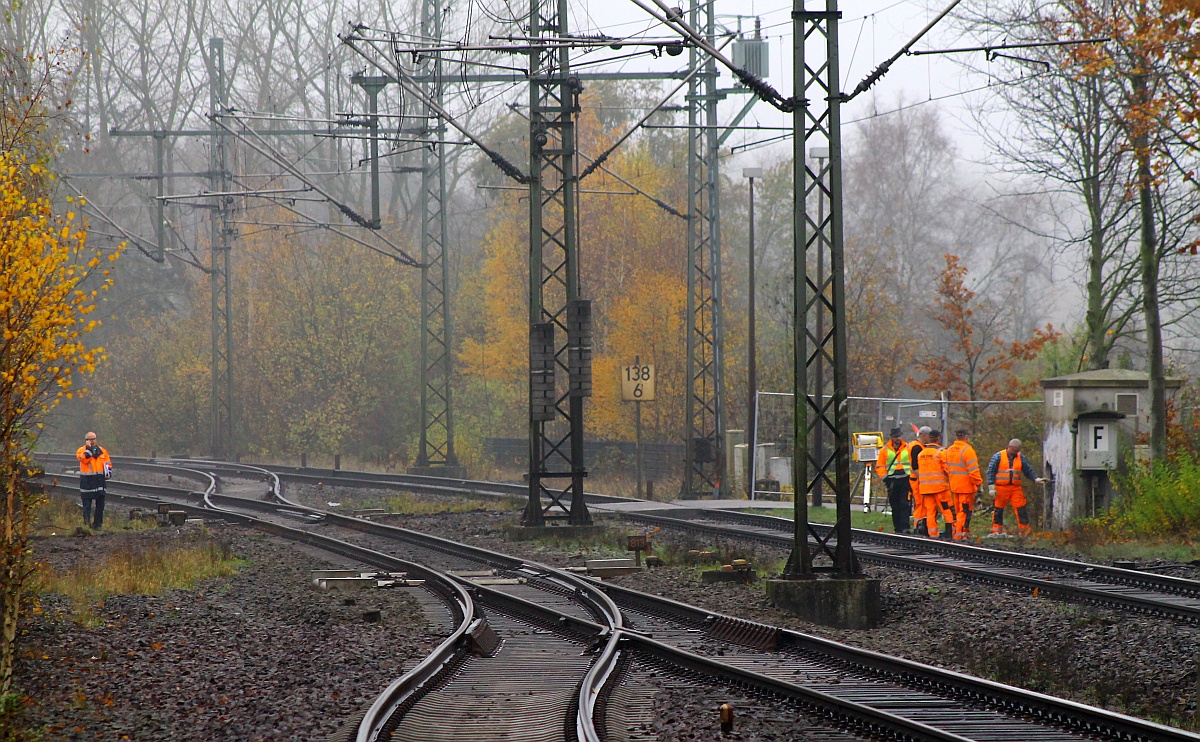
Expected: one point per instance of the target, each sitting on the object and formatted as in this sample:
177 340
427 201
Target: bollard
649 489
337 461
726 711
303 460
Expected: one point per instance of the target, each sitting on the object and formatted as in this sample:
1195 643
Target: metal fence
991 423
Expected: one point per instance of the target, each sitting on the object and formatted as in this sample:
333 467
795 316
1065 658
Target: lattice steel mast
437 422
560 323
819 294
704 467
224 426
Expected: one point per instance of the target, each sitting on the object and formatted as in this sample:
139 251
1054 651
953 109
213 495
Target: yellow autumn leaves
48 285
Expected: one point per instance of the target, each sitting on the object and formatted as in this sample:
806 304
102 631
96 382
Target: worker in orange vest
894 467
95 467
914 453
934 486
1004 474
963 467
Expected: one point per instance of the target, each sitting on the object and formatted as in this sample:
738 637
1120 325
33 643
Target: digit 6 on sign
637 390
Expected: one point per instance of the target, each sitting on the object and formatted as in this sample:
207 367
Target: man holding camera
94 467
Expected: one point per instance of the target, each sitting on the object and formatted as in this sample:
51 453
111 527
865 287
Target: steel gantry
703 472
819 294
437 423
559 321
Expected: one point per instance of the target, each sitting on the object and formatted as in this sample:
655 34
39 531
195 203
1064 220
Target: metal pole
819 390
161 226
704 423
751 342
223 443
637 407
945 415
556 450
799 564
373 115
815 293
754 452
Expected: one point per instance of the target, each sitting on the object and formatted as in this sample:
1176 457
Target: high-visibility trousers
1006 493
918 507
931 505
965 504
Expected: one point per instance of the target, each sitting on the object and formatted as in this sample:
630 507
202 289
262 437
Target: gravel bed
690 710
260 655
1133 664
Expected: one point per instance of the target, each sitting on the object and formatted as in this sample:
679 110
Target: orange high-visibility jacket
92 464
894 460
931 472
1009 474
963 467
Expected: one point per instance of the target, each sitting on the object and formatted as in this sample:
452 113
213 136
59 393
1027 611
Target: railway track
541 645
1061 579
869 694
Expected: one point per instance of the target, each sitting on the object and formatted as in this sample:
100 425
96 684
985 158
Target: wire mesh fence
990 424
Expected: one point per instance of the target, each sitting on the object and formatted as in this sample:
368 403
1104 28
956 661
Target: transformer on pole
560 322
819 294
705 425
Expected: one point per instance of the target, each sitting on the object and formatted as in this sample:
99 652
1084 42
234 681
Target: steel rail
1004 557
461 595
828 709
1079 718
982 556
978 572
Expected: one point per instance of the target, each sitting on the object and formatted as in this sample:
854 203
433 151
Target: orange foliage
632 267
980 364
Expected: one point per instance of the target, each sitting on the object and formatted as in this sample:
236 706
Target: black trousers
898 490
91 491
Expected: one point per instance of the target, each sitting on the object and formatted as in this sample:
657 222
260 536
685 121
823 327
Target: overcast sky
871 30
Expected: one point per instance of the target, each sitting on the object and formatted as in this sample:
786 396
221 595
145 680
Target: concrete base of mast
839 602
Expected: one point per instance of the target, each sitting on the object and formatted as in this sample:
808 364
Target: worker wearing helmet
962 464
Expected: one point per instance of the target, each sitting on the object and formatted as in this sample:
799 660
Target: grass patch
405 503
62 515
140 569
871 521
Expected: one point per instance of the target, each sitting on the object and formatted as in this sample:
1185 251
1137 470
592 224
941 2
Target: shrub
1157 502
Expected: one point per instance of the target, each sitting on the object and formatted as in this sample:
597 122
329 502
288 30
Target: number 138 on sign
637 383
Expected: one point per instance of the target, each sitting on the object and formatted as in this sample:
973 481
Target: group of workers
925 480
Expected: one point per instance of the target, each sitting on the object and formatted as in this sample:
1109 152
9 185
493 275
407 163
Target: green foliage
1161 501
12 719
